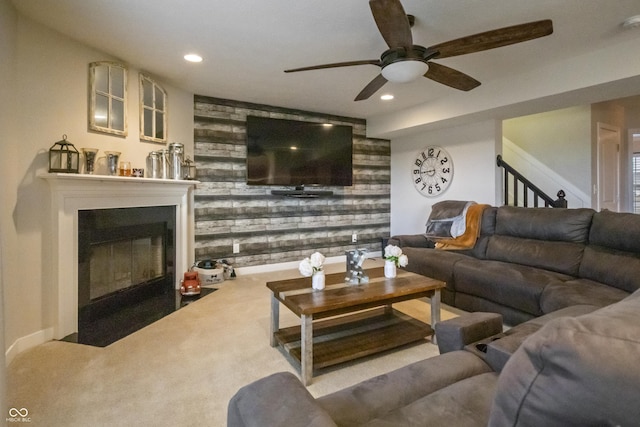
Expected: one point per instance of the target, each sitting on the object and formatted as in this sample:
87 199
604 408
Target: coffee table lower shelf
341 339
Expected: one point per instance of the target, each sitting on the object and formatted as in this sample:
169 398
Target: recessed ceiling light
386 97
192 57
631 22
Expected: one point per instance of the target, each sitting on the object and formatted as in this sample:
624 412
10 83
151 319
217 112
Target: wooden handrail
528 188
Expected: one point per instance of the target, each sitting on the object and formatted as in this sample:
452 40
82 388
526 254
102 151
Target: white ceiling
246 44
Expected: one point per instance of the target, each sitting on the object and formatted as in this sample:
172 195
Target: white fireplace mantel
71 193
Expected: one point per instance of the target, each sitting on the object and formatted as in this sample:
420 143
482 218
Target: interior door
608 167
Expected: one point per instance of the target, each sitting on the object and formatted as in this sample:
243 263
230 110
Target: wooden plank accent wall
272 229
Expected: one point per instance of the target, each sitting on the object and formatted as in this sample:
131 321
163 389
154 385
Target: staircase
518 190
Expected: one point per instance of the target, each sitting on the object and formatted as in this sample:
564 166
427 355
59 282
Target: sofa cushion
465 403
562 225
611 229
410 240
579 291
512 285
613 267
500 349
381 395
488 224
563 257
433 263
270 400
473 303
575 371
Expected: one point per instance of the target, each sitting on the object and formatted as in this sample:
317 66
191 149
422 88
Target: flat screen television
296 153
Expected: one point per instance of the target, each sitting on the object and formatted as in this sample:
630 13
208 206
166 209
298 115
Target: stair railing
519 182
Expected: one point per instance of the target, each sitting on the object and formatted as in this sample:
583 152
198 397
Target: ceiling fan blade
494 38
392 22
337 64
450 77
371 88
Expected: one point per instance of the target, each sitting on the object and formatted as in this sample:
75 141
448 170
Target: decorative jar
317 280
389 269
112 162
89 159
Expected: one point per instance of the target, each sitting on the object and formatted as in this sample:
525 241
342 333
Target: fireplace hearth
126 259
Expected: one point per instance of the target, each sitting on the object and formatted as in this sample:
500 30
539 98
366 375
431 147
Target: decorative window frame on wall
108 97
153 110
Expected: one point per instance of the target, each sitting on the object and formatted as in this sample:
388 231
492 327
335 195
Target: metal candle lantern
63 157
189 169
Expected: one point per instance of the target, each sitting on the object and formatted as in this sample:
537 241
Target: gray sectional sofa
576 366
531 261
567 280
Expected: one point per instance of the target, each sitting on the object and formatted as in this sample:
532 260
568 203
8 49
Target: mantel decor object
189 169
112 162
63 157
89 159
176 159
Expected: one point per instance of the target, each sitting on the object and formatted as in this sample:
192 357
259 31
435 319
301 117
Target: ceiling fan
404 61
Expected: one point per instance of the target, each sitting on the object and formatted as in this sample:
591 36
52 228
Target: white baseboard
42 336
267 268
27 342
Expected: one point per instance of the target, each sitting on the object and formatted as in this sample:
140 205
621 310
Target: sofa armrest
411 241
277 400
455 334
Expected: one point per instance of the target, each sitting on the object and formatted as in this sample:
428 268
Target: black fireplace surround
101 230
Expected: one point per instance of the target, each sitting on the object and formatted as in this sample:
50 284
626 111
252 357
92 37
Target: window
108 106
636 183
153 111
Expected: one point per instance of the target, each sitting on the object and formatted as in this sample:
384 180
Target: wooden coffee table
359 319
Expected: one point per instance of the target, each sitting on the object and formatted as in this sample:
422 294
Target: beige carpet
183 369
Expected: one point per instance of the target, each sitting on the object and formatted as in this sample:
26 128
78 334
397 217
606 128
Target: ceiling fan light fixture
193 57
631 22
404 71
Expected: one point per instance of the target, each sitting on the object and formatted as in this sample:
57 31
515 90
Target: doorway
608 167
635 170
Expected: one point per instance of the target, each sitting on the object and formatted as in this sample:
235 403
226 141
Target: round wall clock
432 171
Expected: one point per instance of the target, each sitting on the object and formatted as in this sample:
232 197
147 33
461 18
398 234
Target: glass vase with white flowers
393 258
312 266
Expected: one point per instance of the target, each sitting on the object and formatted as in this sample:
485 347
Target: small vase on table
389 269
317 281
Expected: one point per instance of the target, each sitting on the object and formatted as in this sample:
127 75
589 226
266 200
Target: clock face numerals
432 171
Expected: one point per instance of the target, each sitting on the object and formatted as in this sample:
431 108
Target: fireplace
125 255
72 194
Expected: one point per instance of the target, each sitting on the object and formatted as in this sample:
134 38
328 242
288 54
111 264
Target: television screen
289 152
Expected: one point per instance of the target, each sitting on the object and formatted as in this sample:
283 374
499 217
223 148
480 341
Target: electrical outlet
354 238
236 248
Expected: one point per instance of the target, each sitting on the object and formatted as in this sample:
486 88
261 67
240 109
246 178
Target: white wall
50 91
545 178
8 22
552 87
559 139
474 148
